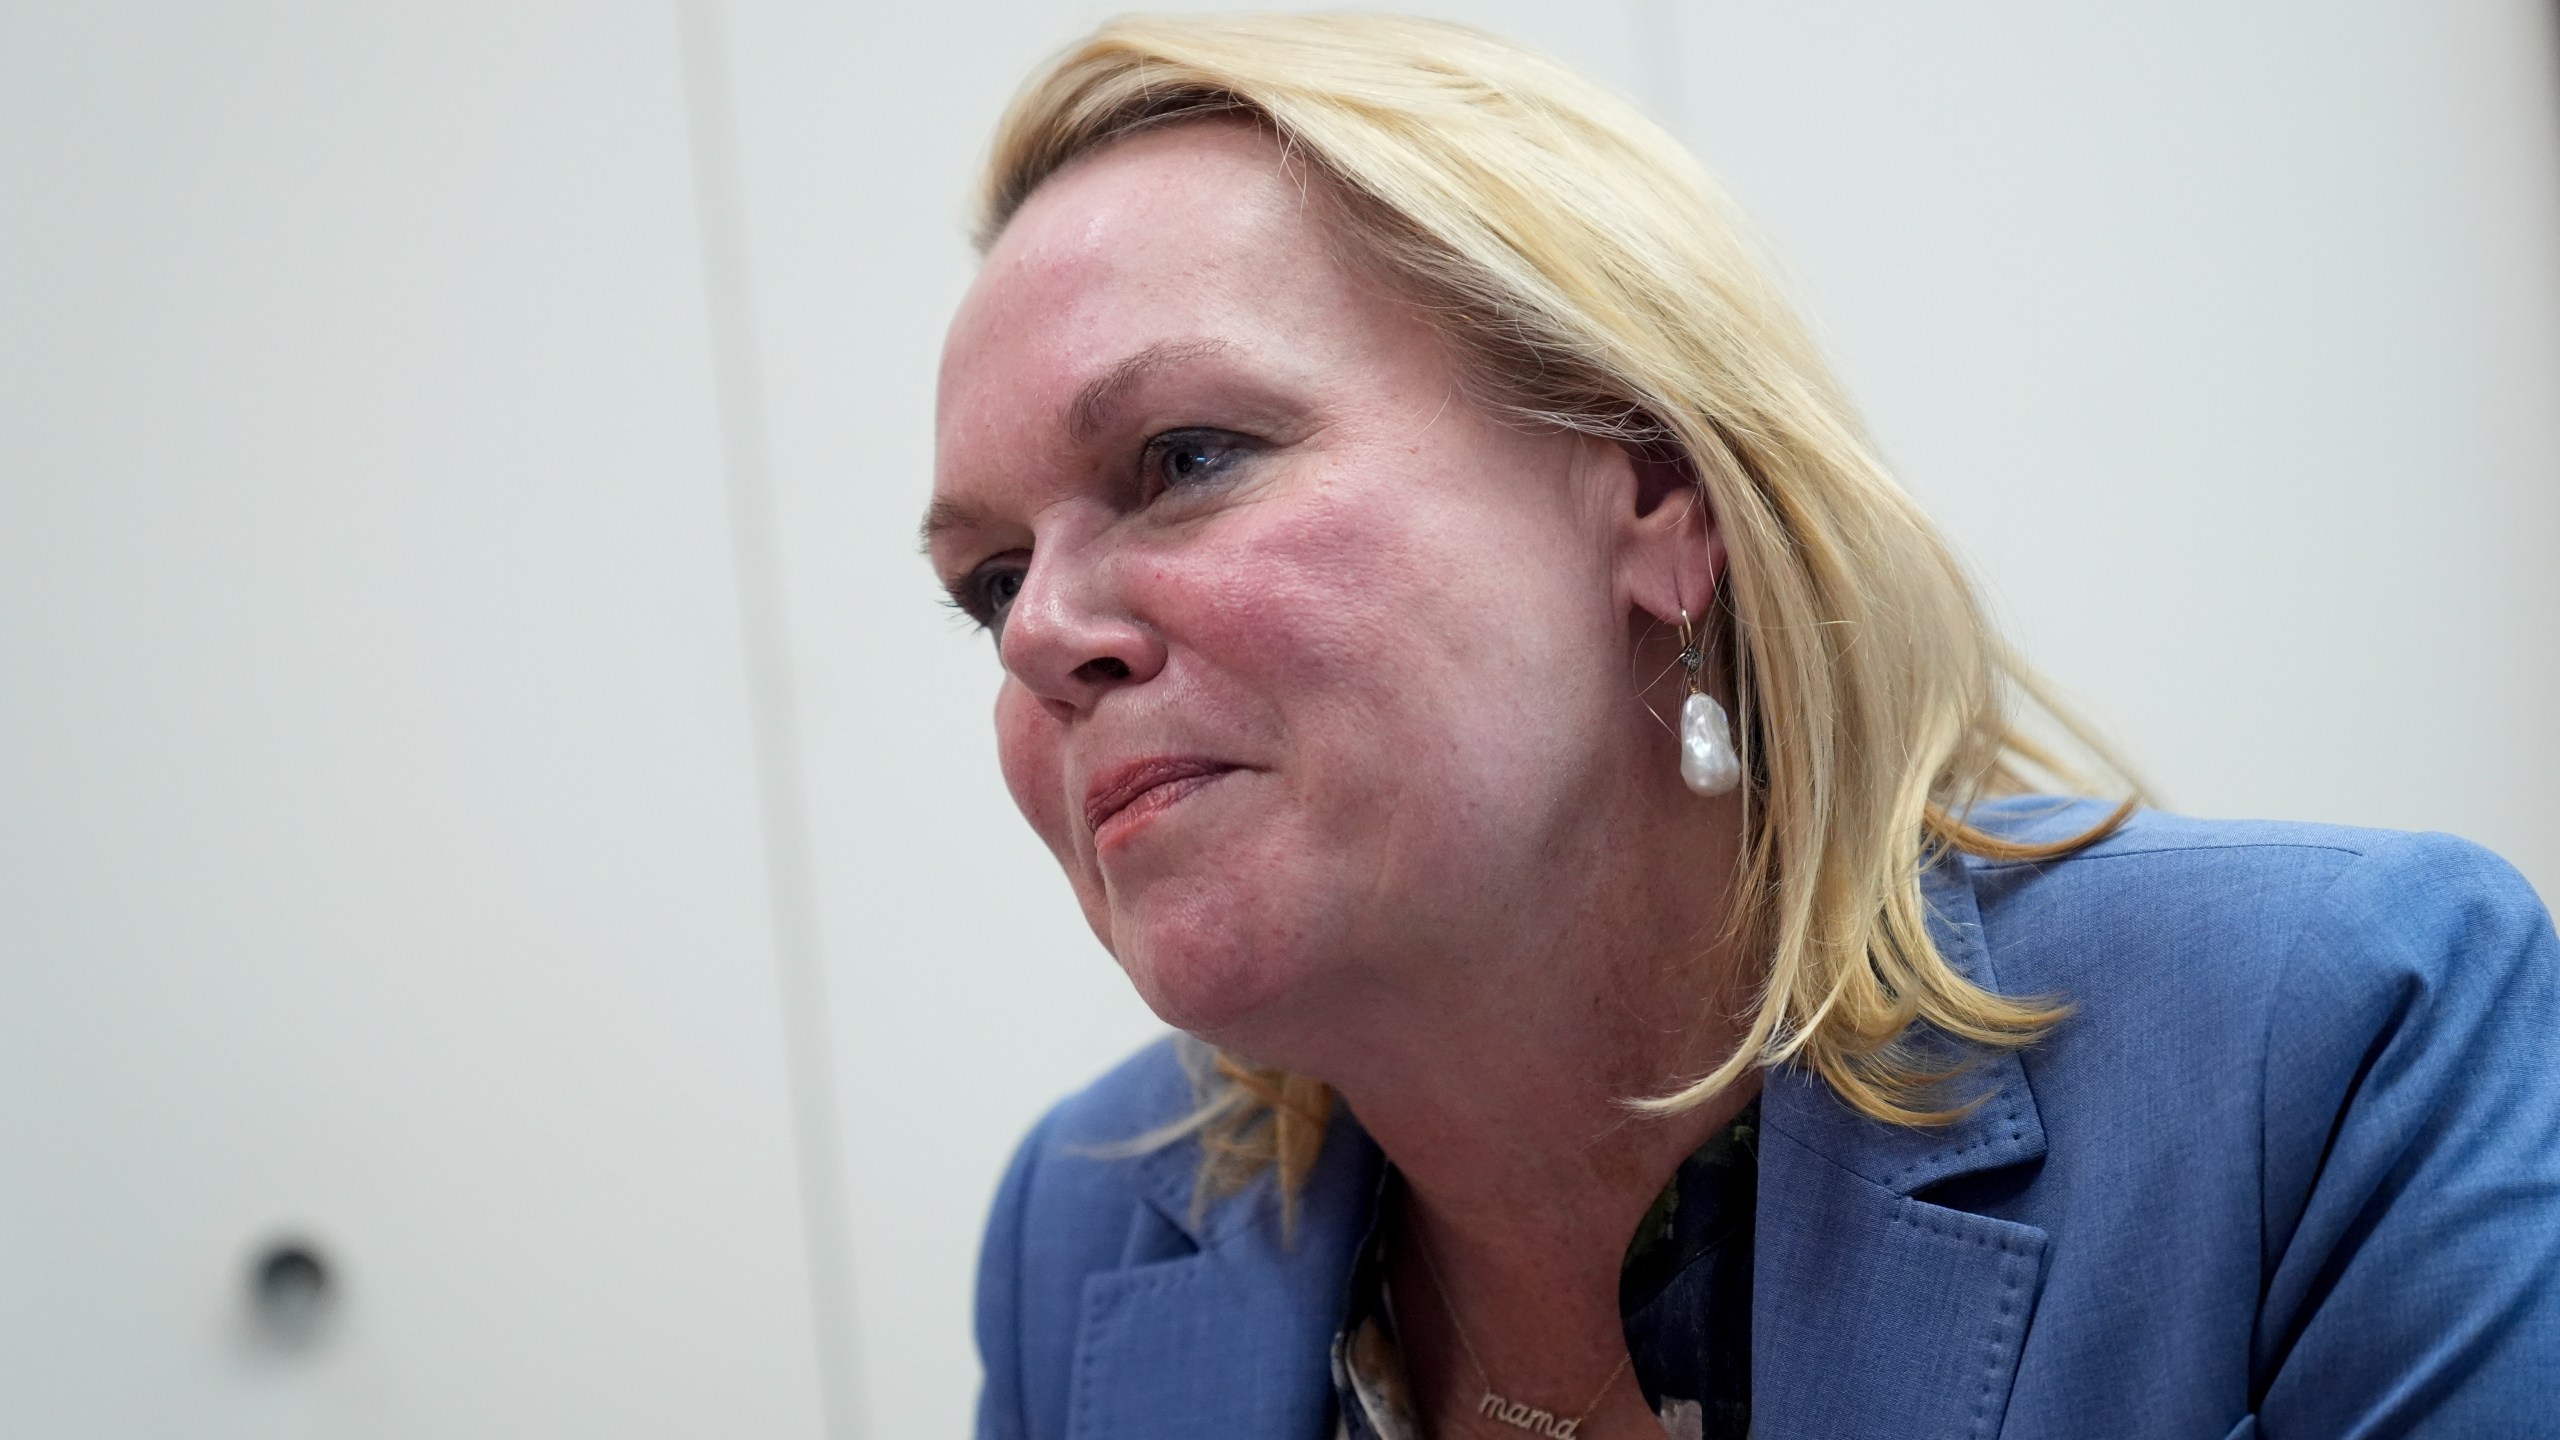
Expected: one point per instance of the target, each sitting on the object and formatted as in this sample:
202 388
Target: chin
1208 974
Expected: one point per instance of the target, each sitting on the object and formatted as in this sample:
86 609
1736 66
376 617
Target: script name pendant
1527 1417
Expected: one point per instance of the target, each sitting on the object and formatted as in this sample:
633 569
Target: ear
1670 552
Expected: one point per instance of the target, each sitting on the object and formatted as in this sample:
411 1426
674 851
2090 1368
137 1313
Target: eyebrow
1087 413
1092 405
943 516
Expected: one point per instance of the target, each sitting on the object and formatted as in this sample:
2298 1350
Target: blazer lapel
1874 1313
1234 1339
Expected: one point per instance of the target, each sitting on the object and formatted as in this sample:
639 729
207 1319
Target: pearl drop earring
1708 764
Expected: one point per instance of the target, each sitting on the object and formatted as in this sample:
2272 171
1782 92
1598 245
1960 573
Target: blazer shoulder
2411 1164
2224 924
2238 891
2425 939
2164 836
1149 1089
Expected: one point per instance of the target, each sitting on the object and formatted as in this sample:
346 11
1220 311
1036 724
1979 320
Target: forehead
1195 235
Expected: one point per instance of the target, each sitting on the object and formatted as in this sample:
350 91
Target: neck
1528 1174
1523 1180
1497 1083
1496 1073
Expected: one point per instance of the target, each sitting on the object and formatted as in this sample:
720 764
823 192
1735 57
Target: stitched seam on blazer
2016 1256
2206 847
2015 1135
1103 1312
2312 915
2013 1261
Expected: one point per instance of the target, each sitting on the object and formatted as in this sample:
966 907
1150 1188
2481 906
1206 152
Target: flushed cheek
1404 655
1321 626
1306 605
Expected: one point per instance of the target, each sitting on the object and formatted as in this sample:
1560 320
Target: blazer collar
1875 1312
2003 1127
1234 1338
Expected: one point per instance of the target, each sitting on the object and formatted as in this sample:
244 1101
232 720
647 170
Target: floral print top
1684 1291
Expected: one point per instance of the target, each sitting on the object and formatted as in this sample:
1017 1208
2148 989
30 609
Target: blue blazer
2291 1168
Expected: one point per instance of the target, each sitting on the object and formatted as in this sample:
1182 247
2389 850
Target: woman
1486 694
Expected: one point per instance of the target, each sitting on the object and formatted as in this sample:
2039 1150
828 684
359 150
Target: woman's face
1317 676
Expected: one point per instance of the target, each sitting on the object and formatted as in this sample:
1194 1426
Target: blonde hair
1590 277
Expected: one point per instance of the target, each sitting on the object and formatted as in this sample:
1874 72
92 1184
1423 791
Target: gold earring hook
1693 656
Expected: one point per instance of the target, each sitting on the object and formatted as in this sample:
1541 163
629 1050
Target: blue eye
988 594
1180 458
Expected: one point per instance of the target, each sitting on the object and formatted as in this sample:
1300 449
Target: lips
1129 792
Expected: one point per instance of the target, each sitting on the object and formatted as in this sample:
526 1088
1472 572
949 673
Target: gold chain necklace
1517 1415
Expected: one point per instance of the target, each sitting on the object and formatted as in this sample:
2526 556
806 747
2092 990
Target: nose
1069 638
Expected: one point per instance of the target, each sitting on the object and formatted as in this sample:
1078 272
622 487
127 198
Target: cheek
1387 615
1029 752
1433 662
1321 587
1030 746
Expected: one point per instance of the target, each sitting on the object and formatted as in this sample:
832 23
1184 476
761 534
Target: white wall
2225 339
380 854
435 447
